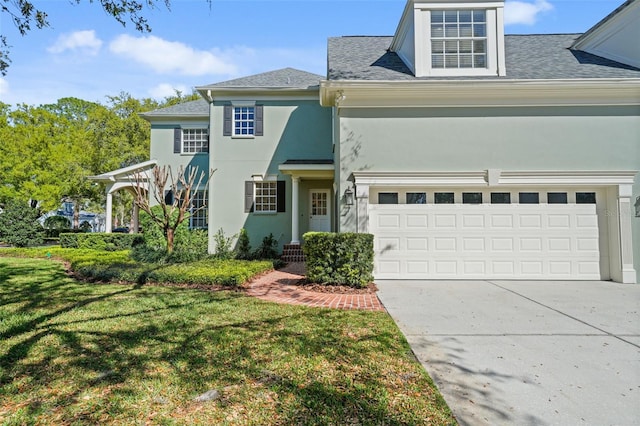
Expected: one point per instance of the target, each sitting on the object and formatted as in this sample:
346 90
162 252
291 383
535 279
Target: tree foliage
47 151
25 15
19 225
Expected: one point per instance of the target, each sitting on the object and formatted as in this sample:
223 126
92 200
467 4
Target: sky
88 55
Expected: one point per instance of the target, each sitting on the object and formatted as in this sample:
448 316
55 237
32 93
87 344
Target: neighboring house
467 153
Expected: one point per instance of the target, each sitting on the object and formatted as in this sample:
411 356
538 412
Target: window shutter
227 127
258 117
281 196
207 148
248 196
177 140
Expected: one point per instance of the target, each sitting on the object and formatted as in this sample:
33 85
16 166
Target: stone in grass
210 395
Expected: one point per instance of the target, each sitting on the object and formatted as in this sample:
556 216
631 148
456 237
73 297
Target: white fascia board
125 171
505 178
271 93
480 93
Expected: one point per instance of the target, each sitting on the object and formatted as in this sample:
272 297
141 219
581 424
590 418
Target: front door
320 210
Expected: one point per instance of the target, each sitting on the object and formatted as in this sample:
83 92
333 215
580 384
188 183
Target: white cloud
164 90
170 57
519 12
4 87
84 41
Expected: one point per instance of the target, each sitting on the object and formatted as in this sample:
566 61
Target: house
469 154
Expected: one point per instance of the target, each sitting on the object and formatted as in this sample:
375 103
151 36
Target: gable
616 37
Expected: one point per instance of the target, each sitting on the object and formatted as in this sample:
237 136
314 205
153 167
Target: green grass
78 353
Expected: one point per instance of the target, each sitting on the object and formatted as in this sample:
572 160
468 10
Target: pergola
125 178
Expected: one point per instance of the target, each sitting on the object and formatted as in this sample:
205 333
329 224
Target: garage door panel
481 241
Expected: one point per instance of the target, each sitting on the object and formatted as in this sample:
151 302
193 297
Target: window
443 198
585 197
264 196
416 198
556 197
529 198
199 211
388 198
243 121
458 39
190 140
195 140
472 197
500 198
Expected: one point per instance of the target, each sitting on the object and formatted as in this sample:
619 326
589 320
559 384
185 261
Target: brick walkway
279 286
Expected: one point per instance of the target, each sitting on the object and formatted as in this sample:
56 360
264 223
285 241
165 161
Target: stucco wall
292 130
463 139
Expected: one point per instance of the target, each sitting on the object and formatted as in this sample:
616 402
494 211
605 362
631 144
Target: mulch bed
339 289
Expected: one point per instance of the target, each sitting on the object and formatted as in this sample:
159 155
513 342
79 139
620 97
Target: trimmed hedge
339 259
99 241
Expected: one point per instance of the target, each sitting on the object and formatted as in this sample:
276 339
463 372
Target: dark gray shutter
248 196
177 140
259 130
281 198
227 126
207 148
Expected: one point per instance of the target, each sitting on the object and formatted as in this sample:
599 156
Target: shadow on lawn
131 343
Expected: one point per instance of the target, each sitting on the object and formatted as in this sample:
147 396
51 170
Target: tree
177 203
25 15
19 224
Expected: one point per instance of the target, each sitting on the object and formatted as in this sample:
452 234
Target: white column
109 212
628 274
295 215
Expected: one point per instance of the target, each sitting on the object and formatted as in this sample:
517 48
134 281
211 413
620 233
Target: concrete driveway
524 352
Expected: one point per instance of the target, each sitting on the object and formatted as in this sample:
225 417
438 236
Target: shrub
99 241
224 245
19 225
243 248
190 246
343 259
55 225
268 248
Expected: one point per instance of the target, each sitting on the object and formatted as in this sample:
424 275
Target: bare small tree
174 209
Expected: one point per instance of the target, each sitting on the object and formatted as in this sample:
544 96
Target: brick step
292 253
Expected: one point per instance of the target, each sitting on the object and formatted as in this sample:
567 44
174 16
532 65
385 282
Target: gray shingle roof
197 108
527 57
282 78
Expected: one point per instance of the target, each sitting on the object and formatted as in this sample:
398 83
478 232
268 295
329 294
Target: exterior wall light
637 206
348 197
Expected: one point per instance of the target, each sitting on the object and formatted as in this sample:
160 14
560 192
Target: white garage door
488 241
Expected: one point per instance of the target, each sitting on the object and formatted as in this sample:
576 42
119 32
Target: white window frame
477 20
265 203
200 145
199 219
234 121
495 62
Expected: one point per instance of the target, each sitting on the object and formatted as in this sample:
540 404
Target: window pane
416 198
451 30
451 61
479 30
388 198
479 16
437 61
437 16
479 61
465 30
472 197
437 46
585 197
437 30
466 61
465 46
479 46
451 16
556 197
529 198
500 198
451 46
443 198
465 16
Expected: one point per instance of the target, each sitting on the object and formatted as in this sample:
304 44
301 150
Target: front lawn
79 353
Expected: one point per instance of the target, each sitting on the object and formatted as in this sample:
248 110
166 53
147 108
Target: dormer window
458 39
452 39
